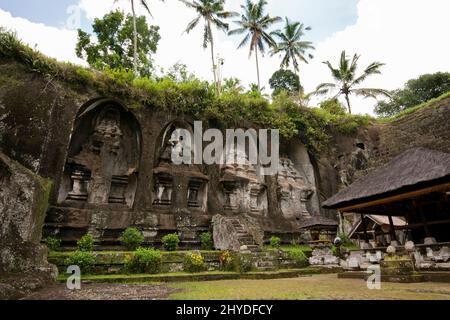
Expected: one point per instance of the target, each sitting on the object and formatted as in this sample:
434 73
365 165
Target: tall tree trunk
300 89
257 68
348 103
135 55
213 59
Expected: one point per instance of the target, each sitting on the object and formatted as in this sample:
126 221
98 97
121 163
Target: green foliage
275 242
346 79
346 241
114 47
431 103
86 243
83 259
226 261
284 80
194 262
333 106
132 238
144 260
171 241
206 241
179 73
416 92
232 85
299 256
291 44
243 263
53 244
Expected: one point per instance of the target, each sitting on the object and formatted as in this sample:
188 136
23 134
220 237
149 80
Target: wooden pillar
364 225
418 208
392 229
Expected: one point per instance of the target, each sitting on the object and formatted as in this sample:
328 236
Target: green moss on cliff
433 103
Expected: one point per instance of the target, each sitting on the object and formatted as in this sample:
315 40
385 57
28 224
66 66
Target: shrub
85 260
275 242
226 261
171 241
86 243
299 257
132 238
206 240
243 263
144 261
53 243
194 262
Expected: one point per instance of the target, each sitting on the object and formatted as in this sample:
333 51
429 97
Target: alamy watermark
374 280
249 147
73 282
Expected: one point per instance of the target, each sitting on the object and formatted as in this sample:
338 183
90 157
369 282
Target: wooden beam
420 225
418 208
392 229
364 224
403 196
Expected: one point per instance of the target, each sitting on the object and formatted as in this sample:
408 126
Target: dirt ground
102 291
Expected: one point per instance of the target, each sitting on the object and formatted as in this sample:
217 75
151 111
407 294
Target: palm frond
324 88
371 92
192 24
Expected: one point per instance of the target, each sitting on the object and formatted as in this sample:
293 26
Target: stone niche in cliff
178 187
294 191
296 184
243 190
103 158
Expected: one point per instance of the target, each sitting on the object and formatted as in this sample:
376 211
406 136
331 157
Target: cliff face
110 170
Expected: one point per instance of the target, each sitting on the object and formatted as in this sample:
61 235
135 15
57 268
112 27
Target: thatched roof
318 222
412 170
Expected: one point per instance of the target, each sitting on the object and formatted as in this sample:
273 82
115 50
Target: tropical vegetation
346 79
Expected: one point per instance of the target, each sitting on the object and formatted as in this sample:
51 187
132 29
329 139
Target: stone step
254 248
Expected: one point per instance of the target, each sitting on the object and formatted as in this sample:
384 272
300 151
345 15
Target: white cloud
54 42
408 35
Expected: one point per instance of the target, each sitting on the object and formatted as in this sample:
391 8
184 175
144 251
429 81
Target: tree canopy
284 80
113 47
415 92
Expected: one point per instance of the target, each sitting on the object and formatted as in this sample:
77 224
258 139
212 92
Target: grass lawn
313 287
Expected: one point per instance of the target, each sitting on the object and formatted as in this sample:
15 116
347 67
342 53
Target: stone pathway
103 292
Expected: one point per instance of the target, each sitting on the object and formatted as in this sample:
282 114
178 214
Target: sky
407 35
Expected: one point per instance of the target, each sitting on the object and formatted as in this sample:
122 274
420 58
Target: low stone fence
113 262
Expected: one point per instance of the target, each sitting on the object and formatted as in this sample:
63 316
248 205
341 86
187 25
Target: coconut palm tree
212 13
346 80
255 23
135 34
290 43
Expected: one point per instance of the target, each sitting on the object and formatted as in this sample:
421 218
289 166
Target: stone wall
427 127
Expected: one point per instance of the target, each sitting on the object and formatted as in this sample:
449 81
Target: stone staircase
244 238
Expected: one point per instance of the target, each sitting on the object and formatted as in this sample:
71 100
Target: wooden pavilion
319 225
414 185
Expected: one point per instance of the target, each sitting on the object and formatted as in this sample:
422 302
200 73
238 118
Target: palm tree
135 34
291 44
346 79
255 23
211 11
